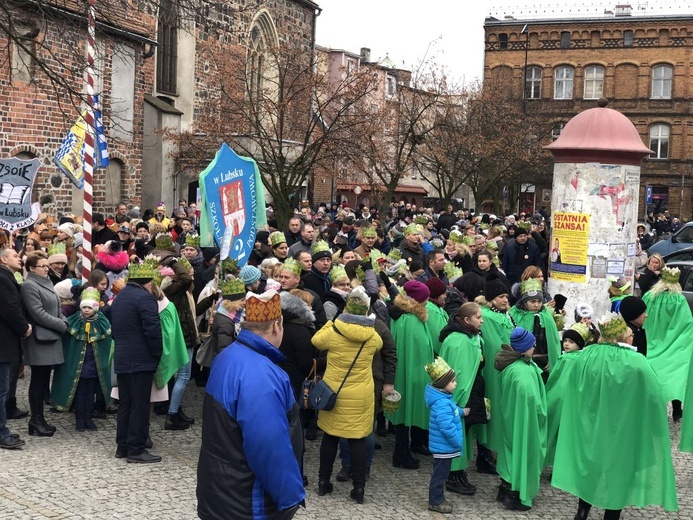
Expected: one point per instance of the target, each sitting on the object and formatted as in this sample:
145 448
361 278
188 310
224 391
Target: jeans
441 470
132 429
182 378
345 454
4 390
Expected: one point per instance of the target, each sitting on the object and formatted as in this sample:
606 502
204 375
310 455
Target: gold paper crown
467 240
292 266
368 231
409 230
671 275
612 326
192 240
277 238
531 287
262 307
456 236
338 272
232 286
56 249
319 246
437 369
163 241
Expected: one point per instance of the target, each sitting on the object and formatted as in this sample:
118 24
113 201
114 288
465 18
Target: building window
627 38
351 66
659 141
391 85
533 83
594 82
563 84
167 49
565 40
502 41
661 81
556 131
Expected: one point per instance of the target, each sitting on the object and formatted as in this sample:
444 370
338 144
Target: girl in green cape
613 446
523 410
86 349
437 315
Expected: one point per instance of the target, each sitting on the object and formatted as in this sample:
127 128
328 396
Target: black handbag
321 396
308 384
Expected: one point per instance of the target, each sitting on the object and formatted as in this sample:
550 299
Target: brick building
641 64
38 109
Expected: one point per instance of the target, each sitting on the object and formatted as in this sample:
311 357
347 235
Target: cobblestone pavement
75 475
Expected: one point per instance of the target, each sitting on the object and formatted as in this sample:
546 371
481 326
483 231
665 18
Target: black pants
328 453
133 411
84 396
40 380
609 514
14 377
419 437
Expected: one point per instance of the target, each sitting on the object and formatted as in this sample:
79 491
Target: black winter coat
136 331
13 324
472 283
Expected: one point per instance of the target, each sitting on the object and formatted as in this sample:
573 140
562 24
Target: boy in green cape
523 410
613 446
86 349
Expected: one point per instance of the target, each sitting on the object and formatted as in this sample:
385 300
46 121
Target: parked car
685 279
681 239
681 254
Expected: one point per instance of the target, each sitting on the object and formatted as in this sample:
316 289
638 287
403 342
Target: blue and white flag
101 146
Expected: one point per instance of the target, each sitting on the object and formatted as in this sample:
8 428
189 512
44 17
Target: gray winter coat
42 309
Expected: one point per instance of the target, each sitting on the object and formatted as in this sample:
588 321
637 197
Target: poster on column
232 196
16 184
569 243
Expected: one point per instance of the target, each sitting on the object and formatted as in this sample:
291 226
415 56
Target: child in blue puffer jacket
445 430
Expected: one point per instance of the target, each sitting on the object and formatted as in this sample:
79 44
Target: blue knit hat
249 274
522 340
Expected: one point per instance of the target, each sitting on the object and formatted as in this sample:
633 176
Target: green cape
414 352
669 328
437 319
66 376
175 354
613 446
523 409
525 319
686 442
463 354
495 331
556 387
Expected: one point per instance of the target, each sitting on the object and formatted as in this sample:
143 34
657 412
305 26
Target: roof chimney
365 55
623 10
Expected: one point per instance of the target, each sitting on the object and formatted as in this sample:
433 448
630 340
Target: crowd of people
435 327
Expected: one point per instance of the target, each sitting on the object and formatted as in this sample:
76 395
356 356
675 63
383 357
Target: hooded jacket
445 427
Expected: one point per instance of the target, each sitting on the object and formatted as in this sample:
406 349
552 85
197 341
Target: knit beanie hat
436 286
522 340
440 373
249 274
632 307
262 237
209 252
417 290
358 302
494 287
67 228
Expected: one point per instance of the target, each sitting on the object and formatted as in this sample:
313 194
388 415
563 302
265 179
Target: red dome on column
599 135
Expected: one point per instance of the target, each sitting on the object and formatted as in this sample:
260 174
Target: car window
686 235
680 256
687 285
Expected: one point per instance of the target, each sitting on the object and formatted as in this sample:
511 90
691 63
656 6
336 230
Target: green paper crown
581 329
451 271
356 306
185 262
91 294
492 245
142 271
671 275
232 286
409 230
437 243
56 249
163 241
230 265
532 286
192 240
338 272
292 266
319 246
277 238
374 256
437 369
368 231
421 219
394 256
612 326
456 236
467 240
525 225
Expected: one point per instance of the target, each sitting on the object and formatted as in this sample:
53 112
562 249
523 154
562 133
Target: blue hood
432 394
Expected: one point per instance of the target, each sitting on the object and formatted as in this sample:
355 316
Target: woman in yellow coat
352 416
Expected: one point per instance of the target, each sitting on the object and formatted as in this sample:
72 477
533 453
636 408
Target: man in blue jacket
519 255
251 434
138 348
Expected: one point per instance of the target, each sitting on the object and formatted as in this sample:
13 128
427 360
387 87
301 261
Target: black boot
161 408
37 426
485 462
402 458
357 494
324 487
380 428
512 501
175 422
185 417
89 413
12 411
583 510
457 483
79 421
676 412
502 491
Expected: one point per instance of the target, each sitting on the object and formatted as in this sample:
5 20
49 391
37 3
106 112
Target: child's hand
467 411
